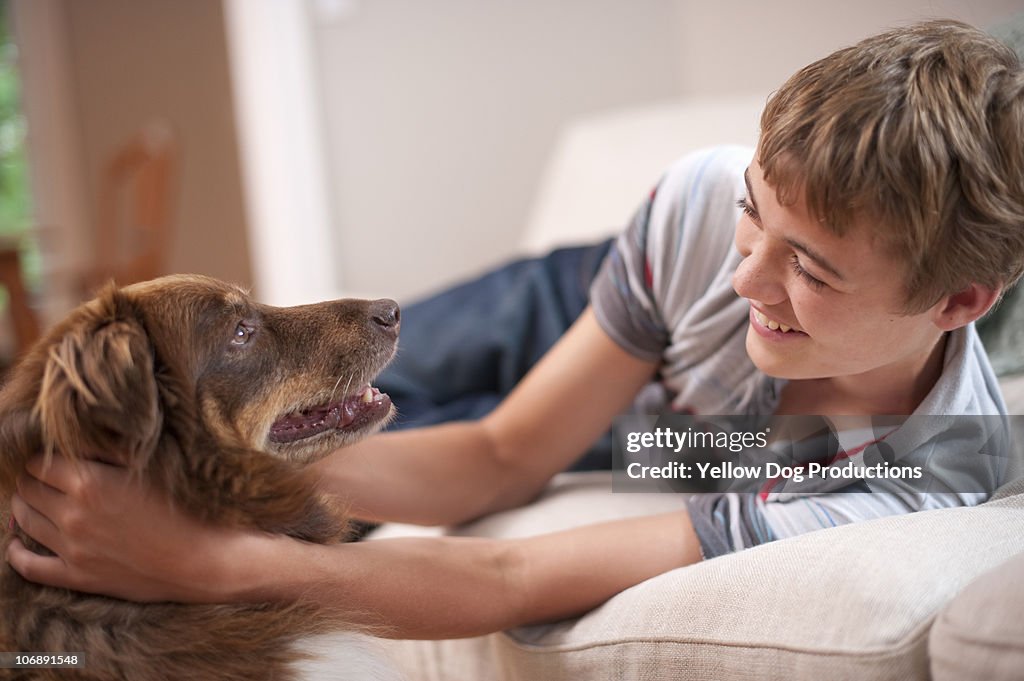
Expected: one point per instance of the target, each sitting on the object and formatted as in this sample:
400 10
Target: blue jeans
464 349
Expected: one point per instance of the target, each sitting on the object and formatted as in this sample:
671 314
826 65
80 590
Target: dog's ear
98 395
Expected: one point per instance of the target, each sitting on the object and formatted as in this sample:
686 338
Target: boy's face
840 296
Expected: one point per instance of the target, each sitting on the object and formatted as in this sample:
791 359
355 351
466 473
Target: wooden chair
133 228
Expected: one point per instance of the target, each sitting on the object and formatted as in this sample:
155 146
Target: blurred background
315 148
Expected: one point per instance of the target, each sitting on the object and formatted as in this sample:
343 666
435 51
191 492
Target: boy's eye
812 281
747 209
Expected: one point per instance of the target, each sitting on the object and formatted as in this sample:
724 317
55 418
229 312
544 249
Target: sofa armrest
980 635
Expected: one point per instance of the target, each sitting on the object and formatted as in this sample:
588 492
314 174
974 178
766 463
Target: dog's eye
242 334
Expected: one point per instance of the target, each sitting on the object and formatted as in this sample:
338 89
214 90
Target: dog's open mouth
364 407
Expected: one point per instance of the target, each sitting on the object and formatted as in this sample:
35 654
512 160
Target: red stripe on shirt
766 490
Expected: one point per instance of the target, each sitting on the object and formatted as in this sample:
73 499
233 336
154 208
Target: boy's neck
895 390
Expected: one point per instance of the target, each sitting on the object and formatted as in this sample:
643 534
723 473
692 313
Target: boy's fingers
35 568
39 495
55 471
70 477
35 524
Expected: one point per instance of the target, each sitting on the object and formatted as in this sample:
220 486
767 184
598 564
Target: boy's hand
113 535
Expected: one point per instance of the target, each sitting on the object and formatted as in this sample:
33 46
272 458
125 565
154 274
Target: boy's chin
777 365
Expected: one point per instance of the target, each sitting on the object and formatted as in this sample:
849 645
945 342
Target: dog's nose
386 316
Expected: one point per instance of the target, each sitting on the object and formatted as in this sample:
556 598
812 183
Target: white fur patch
344 657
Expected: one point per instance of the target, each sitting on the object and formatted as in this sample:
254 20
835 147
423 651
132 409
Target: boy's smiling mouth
768 324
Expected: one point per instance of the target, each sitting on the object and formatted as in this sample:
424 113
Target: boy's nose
756 279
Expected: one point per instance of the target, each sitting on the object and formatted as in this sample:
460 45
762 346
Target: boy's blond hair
917 131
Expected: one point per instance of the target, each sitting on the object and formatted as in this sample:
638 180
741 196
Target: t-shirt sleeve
621 295
671 251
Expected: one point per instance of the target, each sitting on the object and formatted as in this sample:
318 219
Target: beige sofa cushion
853 602
980 635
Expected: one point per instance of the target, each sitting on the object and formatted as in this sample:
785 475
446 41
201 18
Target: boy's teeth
771 323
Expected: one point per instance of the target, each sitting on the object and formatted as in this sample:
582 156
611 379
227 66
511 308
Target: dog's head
195 361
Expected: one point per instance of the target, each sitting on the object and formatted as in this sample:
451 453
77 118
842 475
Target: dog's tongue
349 413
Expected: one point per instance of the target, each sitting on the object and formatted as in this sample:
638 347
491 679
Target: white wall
440 115
730 46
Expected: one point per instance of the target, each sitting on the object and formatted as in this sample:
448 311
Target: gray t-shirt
665 294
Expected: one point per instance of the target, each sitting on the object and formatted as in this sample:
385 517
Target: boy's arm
457 586
437 587
452 473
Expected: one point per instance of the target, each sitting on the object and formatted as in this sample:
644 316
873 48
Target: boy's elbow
515 482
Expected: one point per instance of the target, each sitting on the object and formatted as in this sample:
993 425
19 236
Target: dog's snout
386 315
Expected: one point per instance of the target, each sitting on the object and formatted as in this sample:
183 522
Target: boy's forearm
568 573
424 588
442 475
454 587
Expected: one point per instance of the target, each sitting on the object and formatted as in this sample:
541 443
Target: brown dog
216 400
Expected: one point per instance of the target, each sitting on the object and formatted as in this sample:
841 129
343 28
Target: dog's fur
182 378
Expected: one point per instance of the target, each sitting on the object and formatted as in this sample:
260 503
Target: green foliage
15 206
15 211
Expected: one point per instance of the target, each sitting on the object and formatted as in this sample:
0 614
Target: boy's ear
99 395
962 308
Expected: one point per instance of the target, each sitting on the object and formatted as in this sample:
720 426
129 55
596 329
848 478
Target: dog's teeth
367 395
